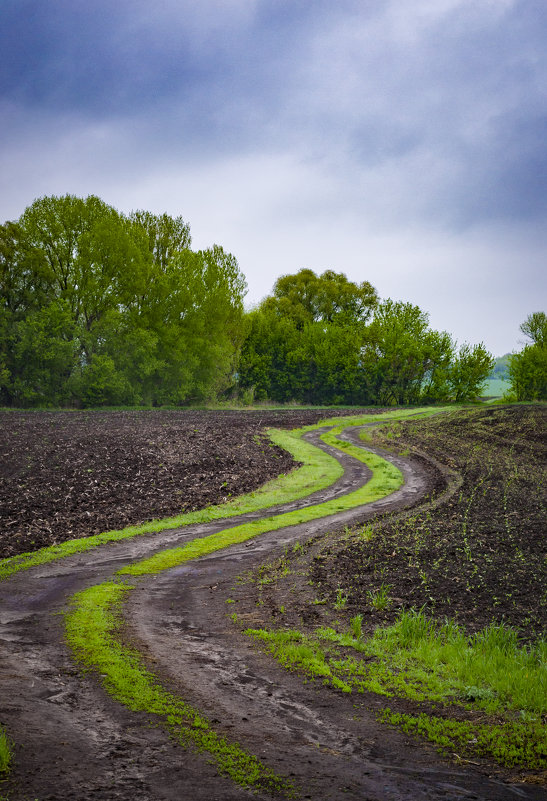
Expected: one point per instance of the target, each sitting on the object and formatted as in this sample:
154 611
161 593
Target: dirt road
72 741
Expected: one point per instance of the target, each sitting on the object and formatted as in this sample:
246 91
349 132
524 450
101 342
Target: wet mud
72 741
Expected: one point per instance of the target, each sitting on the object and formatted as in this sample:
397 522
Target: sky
401 142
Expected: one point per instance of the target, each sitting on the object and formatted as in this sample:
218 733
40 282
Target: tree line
101 308
327 340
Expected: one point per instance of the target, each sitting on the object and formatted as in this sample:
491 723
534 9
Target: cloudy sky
399 141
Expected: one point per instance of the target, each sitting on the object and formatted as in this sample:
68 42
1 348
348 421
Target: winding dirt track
74 742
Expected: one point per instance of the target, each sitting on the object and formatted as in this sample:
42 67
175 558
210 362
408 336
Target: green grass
5 752
92 631
319 470
420 660
510 744
386 478
489 668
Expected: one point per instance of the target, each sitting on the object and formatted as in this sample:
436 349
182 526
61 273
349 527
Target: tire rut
74 742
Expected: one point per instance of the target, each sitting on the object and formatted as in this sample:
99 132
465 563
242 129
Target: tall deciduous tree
528 369
330 297
99 308
402 357
469 371
535 328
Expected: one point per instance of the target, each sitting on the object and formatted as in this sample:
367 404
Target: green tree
101 308
469 371
402 358
269 362
306 297
44 351
535 328
331 373
312 341
528 369
303 343
165 236
528 373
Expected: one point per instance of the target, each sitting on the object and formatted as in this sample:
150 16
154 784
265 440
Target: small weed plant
356 624
342 599
379 598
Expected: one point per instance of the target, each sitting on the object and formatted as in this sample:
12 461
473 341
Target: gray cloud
292 131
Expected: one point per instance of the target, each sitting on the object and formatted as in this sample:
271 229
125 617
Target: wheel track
75 742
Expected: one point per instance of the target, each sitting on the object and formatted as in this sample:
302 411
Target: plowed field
463 537
73 474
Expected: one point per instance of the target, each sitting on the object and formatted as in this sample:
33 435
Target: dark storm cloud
104 57
448 97
96 58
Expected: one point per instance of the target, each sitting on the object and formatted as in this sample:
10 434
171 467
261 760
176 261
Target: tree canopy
100 308
326 340
306 298
528 369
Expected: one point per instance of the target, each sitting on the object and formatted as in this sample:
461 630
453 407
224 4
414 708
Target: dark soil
72 741
65 475
479 557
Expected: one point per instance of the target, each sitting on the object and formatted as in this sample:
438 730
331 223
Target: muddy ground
65 475
73 742
480 557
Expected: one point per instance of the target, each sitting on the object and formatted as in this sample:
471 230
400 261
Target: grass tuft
5 752
92 629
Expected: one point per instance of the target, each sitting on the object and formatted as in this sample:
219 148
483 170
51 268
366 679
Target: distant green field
495 388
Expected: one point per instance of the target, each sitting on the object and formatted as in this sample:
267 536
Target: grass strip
5 752
386 478
382 418
92 631
510 744
319 470
424 661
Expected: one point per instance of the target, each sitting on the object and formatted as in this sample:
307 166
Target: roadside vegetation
5 752
436 618
481 695
93 623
